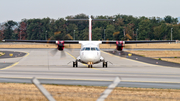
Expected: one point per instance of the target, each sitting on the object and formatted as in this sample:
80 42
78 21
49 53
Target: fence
29 92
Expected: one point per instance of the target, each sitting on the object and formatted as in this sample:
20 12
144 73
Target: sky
19 9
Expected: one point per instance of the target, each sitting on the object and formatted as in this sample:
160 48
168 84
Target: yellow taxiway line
15 62
134 60
10 66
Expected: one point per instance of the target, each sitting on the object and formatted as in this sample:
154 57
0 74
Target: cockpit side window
83 49
97 49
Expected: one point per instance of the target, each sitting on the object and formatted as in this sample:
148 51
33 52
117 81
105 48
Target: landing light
90 63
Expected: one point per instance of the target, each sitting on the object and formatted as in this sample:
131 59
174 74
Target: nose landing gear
89 66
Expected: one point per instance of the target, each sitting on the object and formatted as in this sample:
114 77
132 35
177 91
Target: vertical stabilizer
90 28
90 23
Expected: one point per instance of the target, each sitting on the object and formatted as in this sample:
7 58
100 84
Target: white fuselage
90 52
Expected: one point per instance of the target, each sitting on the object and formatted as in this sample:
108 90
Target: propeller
122 52
63 54
54 51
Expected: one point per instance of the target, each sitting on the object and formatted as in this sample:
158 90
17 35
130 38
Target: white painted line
110 88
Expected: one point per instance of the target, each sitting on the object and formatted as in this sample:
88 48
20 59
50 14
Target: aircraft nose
90 57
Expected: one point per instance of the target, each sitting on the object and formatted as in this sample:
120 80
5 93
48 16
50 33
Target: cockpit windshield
90 49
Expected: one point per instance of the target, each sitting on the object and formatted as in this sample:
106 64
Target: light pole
46 35
136 33
171 33
104 33
124 33
74 34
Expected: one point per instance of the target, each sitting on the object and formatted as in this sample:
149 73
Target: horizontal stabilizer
92 19
77 19
103 19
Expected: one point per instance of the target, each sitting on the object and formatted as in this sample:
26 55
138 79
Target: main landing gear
75 64
104 64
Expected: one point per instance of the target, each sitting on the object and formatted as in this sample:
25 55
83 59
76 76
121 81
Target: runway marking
74 58
70 55
15 62
21 56
26 54
89 80
10 66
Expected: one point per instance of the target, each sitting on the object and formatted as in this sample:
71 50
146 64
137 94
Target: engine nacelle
120 45
60 45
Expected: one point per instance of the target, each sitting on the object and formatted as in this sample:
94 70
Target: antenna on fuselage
90 23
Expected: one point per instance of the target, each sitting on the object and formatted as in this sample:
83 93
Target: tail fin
90 28
90 23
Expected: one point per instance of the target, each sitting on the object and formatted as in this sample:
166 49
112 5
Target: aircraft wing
44 41
138 42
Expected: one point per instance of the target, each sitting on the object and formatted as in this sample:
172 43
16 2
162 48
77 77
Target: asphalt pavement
55 70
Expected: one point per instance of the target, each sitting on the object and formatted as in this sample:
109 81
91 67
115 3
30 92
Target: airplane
90 52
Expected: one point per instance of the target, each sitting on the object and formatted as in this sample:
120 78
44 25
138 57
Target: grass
28 92
157 54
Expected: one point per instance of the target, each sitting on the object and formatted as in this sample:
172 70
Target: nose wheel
89 66
104 64
75 64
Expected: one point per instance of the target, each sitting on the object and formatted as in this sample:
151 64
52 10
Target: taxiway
55 70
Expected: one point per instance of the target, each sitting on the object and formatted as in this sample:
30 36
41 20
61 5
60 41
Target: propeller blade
63 54
54 51
69 47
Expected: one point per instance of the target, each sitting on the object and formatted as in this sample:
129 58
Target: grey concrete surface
39 63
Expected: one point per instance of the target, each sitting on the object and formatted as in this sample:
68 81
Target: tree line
125 27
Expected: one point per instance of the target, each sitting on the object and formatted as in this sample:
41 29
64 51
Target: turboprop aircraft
90 52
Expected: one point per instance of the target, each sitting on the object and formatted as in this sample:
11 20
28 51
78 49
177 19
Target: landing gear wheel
89 66
104 64
75 64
